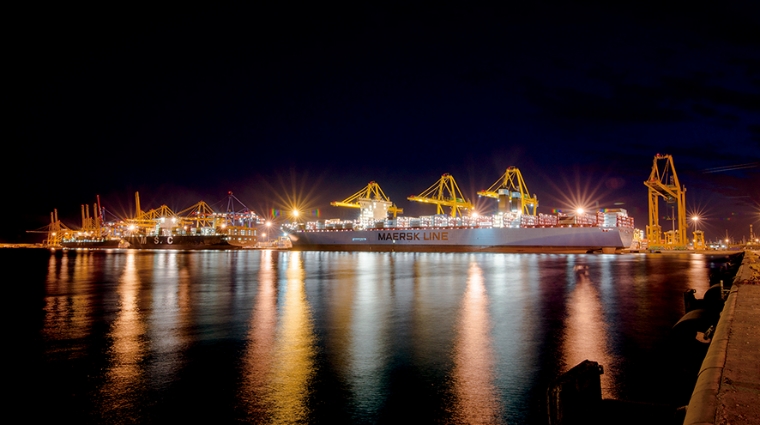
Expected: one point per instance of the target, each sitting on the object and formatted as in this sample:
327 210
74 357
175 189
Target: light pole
699 237
268 224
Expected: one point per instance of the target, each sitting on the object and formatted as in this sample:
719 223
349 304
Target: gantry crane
198 218
145 222
93 225
444 193
363 198
238 215
199 215
56 231
148 220
663 182
512 193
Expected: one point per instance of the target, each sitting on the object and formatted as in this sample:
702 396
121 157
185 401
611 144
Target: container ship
515 227
94 233
484 235
197 227
180 242
92 243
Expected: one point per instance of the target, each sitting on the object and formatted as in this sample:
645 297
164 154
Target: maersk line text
413 236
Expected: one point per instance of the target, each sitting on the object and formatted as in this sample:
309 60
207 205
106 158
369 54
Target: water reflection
170 305
136 337
476 397
369 336
259 356
437 280
585 334
293 365
513 286
68 303
128 347
696 274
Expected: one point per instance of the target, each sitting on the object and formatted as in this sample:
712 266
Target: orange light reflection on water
293 366
585 334
68 303
259 355
128 349
477 399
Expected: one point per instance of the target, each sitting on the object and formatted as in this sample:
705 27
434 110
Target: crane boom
371 192
200 214
512 187
444 193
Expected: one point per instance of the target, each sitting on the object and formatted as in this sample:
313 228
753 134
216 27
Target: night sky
309 104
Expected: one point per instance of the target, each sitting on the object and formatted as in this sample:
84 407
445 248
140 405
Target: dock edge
703 404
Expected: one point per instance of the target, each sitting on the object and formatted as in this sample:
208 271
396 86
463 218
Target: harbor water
249 336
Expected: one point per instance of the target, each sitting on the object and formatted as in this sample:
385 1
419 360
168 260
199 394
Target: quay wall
728 385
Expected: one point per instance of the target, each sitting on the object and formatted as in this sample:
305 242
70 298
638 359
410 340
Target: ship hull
93 244
549 239
199 242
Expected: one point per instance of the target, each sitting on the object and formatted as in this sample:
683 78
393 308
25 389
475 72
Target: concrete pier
728 386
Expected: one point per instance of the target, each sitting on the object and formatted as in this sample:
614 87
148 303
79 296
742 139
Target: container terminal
514 226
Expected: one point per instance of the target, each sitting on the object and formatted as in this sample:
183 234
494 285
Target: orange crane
199 214
144 222
361 199
92 225
512 193
663 182
444 193
56 231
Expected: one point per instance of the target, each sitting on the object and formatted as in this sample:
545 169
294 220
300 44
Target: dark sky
311 103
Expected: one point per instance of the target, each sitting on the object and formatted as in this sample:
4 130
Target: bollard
576 396
690 301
